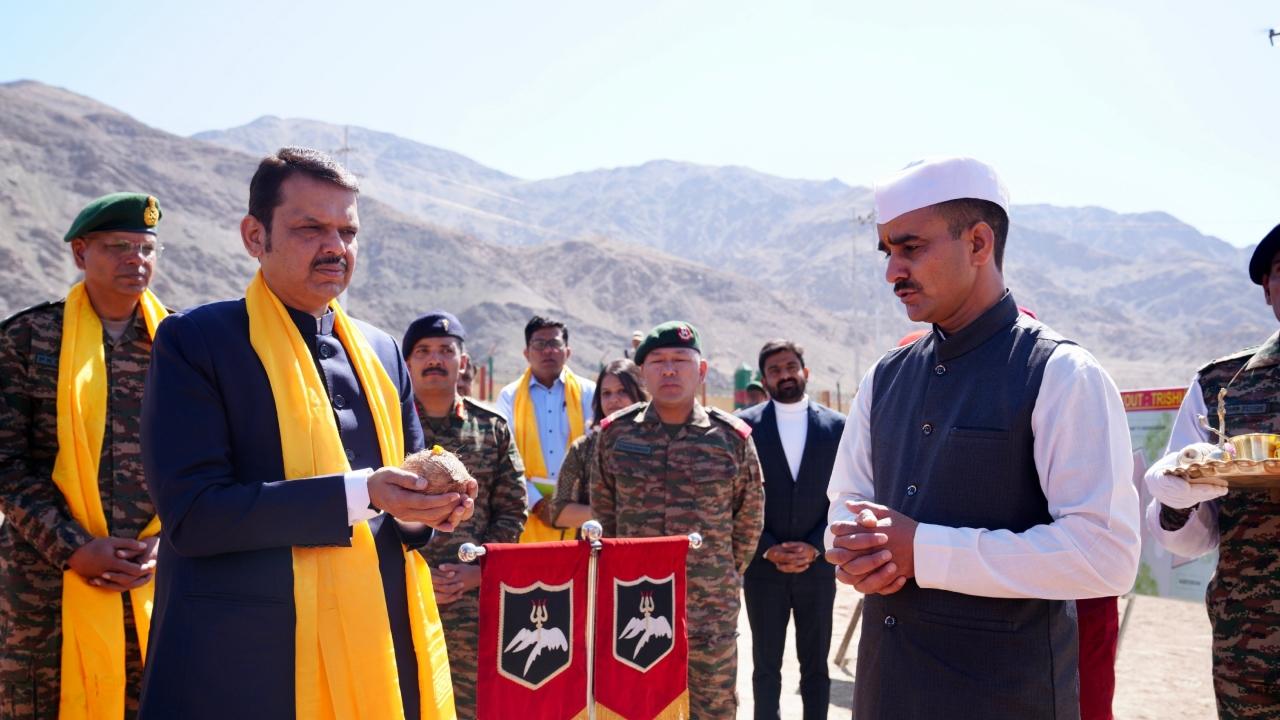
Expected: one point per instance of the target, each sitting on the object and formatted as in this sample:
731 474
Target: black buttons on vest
912 490
926 429
890 621
339 401
940 370
351 455
326 352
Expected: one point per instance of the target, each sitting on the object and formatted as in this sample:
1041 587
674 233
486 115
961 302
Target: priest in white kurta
984 477
1085 464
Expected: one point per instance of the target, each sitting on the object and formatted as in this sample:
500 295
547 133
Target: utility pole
343 154
865 221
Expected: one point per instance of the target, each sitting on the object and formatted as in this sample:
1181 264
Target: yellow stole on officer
345 662
530 447
93 641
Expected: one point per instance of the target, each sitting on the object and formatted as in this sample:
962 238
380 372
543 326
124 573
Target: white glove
1200 453
1175 492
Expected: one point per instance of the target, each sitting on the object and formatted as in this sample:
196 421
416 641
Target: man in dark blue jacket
796 439
223 639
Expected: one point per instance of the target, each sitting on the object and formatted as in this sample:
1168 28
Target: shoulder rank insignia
26 311
739 425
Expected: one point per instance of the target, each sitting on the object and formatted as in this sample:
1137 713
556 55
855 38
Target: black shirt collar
998 317
310 325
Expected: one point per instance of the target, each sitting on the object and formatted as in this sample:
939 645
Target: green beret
117 212
669 334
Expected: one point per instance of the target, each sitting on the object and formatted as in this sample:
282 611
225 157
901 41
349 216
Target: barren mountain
744 255
58 150
1134 288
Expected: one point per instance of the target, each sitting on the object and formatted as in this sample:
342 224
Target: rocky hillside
1147 293
58 150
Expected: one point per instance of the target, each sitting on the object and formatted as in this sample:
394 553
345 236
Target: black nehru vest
951 444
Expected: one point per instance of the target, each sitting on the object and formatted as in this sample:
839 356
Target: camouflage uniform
571 483
706 479
478 435
1244 596
38 535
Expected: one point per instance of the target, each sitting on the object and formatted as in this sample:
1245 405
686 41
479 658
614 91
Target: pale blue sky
1133 106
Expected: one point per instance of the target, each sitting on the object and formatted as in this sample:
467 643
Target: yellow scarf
346 667
530 447
93 657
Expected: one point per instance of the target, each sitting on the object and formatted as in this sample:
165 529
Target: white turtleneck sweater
793 428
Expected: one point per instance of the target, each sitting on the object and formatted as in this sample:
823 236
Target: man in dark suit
796 439
223 639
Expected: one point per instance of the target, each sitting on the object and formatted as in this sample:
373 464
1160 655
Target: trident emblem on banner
540 639
646 626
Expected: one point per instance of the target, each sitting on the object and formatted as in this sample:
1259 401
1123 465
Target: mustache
905 285
331 260
434 371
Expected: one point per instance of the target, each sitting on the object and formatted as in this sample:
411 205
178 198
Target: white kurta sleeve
1083 457
1200 534
851 475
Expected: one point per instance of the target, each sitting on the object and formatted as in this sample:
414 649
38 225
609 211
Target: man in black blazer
222 642
796 439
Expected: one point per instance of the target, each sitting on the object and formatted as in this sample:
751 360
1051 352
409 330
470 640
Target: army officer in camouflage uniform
113 241
434 351
669 467
1243 525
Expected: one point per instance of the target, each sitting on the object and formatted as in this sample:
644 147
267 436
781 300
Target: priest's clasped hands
402 494
874 552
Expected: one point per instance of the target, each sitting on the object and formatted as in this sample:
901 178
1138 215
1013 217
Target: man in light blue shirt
547 383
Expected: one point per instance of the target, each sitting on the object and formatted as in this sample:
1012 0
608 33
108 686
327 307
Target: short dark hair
965 213
628 373
773 347
274 169
537 322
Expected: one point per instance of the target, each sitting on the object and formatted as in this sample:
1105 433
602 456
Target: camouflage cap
436 323
675 333
1260 263
756 385
117 212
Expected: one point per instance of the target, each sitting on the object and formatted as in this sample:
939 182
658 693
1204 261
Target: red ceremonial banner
533 658
641 642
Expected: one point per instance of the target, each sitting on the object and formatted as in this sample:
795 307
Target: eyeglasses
122 248
541 345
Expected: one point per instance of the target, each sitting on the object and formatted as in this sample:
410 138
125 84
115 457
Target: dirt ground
1162 670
